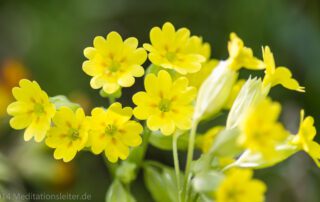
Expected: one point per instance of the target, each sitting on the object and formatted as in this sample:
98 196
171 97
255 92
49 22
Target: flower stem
192 138
176 163
111 100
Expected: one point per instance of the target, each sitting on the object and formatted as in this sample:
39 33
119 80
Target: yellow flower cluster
69 131
182 87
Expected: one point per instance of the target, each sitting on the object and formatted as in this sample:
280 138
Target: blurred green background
48 38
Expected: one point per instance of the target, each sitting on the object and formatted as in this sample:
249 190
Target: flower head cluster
113 132
176 50
113 63
238 186
166 104
183 87
32 111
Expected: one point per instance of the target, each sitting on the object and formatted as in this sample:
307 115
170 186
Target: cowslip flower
69 134
278 75
173 49
239 186
113 63
197 46
260 130
166 104
241 56
113 132
32 110
305 138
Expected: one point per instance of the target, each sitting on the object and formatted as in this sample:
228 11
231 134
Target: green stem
111 100
176 163
192 138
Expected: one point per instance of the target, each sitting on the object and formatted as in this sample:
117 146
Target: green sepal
114 95
207 181
165 142
62 101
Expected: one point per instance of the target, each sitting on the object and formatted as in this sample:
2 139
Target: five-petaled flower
69 133
175 50
166 104
113 132
113 63
32 110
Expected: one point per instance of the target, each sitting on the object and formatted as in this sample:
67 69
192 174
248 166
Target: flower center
74 134
164 105
114 67
110 129
38 109
171 56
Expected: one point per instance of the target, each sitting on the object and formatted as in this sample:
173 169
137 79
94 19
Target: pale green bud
251 93
215 91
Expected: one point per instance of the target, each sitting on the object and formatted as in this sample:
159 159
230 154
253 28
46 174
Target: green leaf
161 182
165 142
62 101
207 181
117 193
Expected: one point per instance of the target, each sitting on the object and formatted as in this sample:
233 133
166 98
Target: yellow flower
172 49
238 186
166 104
197 46
278 75
241 56
113 62
113 132
304 138
69 133
204 142
32 110
196 79
260 130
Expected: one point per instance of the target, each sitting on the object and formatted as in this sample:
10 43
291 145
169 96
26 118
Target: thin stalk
111 100
192 138
176 163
